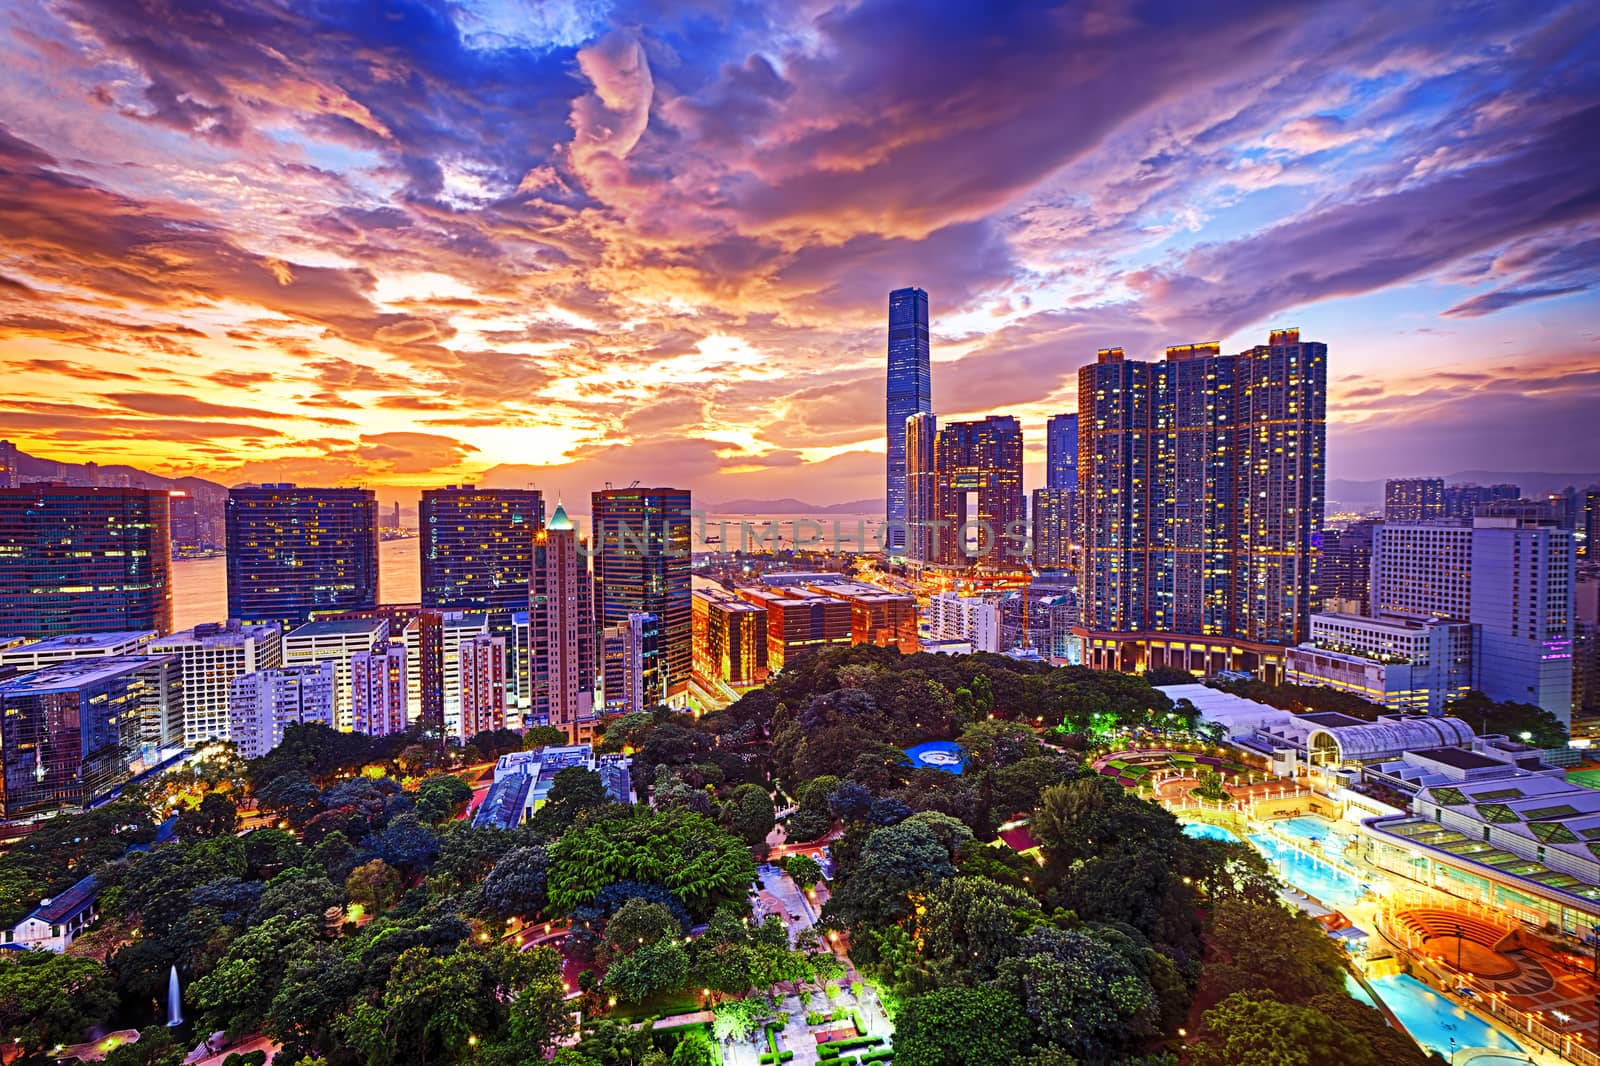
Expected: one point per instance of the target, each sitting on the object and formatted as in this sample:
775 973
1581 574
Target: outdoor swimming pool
1207 831
1313 827
1312 875
1434 1020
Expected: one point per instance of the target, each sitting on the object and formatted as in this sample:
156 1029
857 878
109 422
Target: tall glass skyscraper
294 551
477 547
642 565
910 392
1061 452
84 560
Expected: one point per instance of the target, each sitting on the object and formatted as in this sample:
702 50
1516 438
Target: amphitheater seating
1483 945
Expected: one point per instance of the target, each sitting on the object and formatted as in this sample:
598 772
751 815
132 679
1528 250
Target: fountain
174 1004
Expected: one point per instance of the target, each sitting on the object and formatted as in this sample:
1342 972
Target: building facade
1422 570
27 655
337 641
212 656
642 565
730 640
482 664
293 552
262 704
1055 514
1523 608
1344 567
477 547
799 622
631 677
1413 499
1201 483
909 392
983 459
84 560
970 619
1461 502
1061 452
1404 664
378 689
921 487
561 636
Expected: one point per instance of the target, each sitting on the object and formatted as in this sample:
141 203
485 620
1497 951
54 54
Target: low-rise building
1404 664
523 779
38 654
799 621
973 619
261 704
55 923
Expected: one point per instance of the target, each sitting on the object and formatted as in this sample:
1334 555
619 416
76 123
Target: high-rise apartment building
972 619
642 565
561 620
1054 519
212 656
75 731
631 664
84 560
1061 452
482 663
921 487
338 641
477 547
1413 499
1344 567
983 459
1461 502
433 664
1590 548
378 689
1201 483
1523 608
294 551
909 392
263 703
730 640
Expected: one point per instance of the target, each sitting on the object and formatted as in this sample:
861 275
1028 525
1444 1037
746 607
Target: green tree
538 1016
655 969
155 1047
804 870
374 885
48 999
637 923
912 856
1260 1030
215 816
1080 992
967 925
1525 722
516 887
683 852
960 1027
441 797
750 814
694 1049
1268 947
237 994
542 736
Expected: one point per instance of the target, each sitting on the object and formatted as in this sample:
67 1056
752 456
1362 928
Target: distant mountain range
210 498
790 505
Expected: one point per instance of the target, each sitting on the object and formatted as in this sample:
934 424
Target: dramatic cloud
580 242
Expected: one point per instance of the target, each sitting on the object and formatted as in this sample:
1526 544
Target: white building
1422 570
212 656
1405 664
378 690
263 703
337 641
481 666
1523 607
456 627
972 619
55 923
37 654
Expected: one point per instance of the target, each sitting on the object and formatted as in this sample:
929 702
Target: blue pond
937 755
1434 1020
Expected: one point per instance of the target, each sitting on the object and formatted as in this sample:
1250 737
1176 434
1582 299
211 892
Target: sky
414 242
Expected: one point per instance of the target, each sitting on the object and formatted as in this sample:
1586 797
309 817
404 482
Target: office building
185 520
294 552
378 689
84 560
969 619
730 640
983 459
1461 502
909 392
1344 567
1523 577
212 656
1201 484
1404 664
1413 499
10 465
1422 571
338 641
74 732
921 487
1590 547
28 655
482 666
561 621
263 703
642 565
1061 453
877 616
477 547
1054 519
631 678
1586 643
799 622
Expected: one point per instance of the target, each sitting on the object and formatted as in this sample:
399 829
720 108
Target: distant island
790 505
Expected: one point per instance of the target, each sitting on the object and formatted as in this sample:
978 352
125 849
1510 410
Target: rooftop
72 901
84 641
1460 758
76 673
339 627
212 633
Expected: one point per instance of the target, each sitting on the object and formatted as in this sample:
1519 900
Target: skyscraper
378 689
559 612
483 685
1061 452
84 560
631 664
1413 499
1421 570
1054 519
10 465
642 564
1462 501
983 458
1344 566
1524 574
922 486
910 392
477 545
1201 484
294 551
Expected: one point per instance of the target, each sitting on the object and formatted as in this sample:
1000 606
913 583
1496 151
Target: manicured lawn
684 1002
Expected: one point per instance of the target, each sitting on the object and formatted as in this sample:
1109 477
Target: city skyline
498 245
